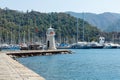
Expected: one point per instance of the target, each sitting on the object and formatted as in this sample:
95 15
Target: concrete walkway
13 70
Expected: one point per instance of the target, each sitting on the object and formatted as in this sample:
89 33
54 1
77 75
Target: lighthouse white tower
50 39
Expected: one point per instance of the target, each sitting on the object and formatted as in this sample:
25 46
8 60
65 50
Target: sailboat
80 44
23 45
5 46
111 45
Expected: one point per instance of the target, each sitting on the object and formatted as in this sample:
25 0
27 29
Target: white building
101 40
50 42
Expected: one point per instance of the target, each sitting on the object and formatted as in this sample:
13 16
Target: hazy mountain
103 21
115 27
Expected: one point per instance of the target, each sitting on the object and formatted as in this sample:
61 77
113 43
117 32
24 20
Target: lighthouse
50 42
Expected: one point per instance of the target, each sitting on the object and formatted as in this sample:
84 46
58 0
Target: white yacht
97 45
111 45
80 45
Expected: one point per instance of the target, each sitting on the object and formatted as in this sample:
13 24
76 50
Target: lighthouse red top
50 31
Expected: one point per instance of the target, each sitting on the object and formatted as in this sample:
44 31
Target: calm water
84 64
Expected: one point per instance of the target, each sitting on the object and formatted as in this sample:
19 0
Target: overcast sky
94 6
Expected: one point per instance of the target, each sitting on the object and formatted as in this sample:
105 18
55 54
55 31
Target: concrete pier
13 70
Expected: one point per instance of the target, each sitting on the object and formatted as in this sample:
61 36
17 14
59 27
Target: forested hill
36 24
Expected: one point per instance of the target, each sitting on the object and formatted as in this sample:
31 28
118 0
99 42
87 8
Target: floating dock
10 69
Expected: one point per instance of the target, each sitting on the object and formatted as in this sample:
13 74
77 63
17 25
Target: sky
93 6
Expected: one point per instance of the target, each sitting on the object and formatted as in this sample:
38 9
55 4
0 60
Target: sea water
83 64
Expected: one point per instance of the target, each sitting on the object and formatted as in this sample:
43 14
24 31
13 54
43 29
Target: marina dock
10 69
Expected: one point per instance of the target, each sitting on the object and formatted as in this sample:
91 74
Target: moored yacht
111 45
23 46
5 47
63 46
35 46
97 45
80 45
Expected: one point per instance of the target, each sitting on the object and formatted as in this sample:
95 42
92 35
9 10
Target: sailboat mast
77 32
28 22
83 26
29 35
0 36
24 37
19 35
11 37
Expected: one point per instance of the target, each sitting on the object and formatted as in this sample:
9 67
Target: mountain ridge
101 21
